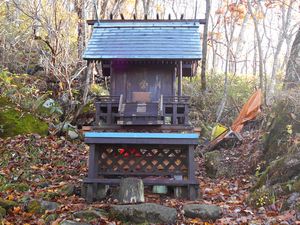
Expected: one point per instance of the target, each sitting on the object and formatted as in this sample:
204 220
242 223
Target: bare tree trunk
286 19
228 49
146 6
241 37
292 76
80 9
204 46
103 7
86 88
136 3
259 42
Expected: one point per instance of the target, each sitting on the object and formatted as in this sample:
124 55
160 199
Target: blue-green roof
145 40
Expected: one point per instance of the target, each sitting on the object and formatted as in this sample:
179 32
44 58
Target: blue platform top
141 135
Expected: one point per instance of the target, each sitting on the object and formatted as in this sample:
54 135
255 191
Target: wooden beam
122 16
111 16
134 16
157 16
146 16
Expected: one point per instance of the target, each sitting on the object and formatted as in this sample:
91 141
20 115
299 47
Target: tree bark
286 19
204 47
80 9
146 6
259 42
292 76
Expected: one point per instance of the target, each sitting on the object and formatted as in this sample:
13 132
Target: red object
132 151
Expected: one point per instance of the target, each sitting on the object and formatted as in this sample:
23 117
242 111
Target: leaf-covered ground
34 167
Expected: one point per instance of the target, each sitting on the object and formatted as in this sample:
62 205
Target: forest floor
35 167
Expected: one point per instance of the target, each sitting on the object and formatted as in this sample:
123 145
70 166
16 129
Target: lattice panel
142 161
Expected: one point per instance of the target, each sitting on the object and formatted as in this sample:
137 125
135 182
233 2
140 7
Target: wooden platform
157 158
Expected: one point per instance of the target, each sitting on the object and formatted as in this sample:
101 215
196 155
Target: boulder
71 222
49 205
144 213
40 206
73 134
202 211
131 190
34 206
291 202
89 214
283 170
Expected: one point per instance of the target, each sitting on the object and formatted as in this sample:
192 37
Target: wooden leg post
93 172
192 188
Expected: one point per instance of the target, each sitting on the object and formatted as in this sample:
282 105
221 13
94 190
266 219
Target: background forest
47 93
248 45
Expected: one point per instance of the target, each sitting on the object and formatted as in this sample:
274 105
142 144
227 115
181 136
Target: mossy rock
14 122
212 161
67 190
7 204
286 112
216 166
2 212
20 187
48 195
35 207
282 170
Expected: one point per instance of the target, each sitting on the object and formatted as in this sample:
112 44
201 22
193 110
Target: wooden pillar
193 186
191 163
180 79
174 82
92 172
93 161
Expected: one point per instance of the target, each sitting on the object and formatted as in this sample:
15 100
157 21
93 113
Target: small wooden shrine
142 128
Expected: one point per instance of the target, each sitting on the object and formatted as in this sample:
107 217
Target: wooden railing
173 109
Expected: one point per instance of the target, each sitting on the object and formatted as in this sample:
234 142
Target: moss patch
2 212
261 197
296 186
7 204
20 187
49 218
48 195
14 122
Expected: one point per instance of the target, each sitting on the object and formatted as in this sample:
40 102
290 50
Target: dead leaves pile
44 164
